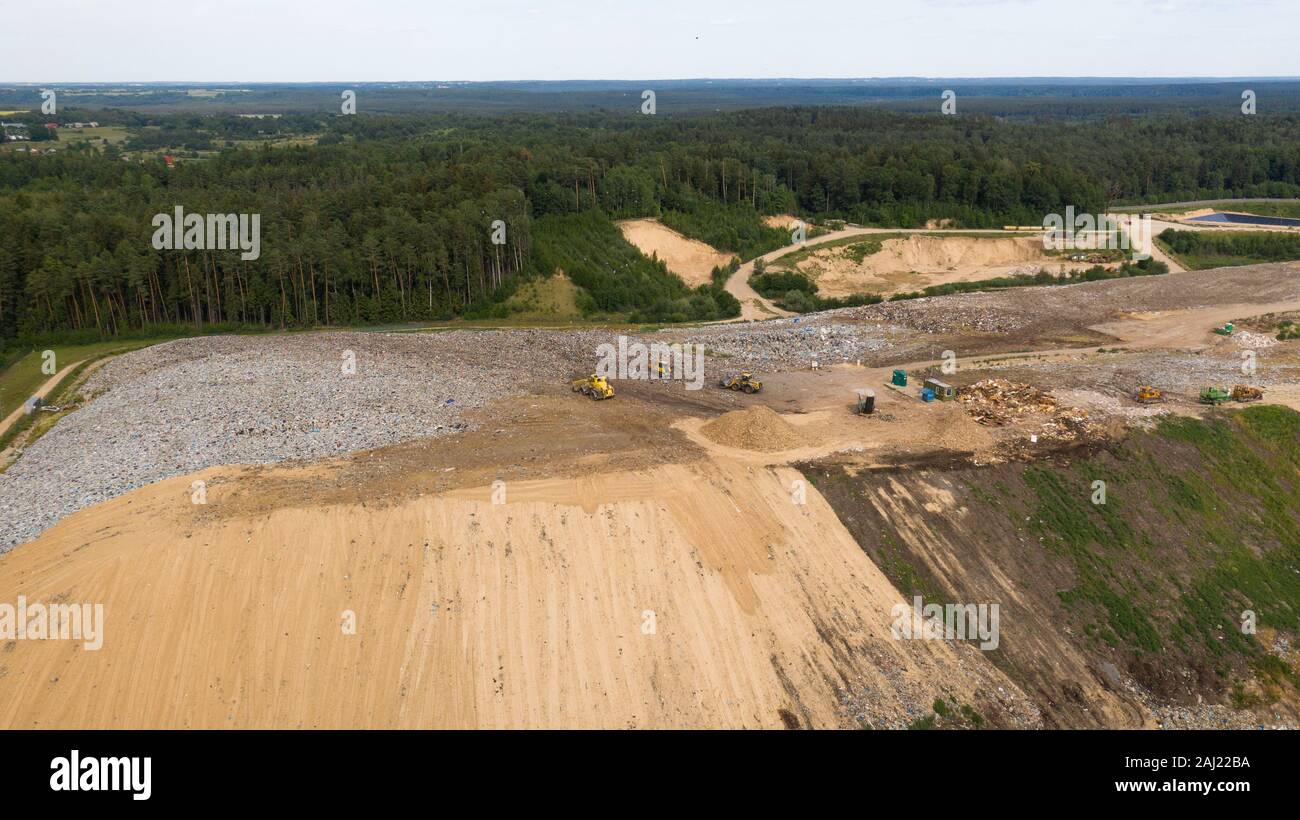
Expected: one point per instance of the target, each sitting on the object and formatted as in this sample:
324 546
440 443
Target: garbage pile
1001 402
997 402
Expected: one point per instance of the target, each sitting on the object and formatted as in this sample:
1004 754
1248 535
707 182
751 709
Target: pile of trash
1067 424
997 402
1253 341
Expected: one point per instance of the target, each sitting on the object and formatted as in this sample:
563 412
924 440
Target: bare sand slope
783 221
690 259
530 613
916 261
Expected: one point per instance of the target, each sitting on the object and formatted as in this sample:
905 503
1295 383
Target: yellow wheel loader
595 387
744 382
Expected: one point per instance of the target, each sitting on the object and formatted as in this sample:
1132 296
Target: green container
900 378
1214 395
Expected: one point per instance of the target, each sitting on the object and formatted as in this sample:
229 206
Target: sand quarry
690 259
657 560
917 261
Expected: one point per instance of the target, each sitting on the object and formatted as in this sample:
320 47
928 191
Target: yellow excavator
596 387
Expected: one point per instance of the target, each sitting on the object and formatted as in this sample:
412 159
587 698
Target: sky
68 41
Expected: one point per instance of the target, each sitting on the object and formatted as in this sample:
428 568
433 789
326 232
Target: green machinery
1214 395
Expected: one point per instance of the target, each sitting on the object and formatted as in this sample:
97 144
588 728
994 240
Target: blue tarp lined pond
1247 219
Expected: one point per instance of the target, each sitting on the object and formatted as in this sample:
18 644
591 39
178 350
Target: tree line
390 218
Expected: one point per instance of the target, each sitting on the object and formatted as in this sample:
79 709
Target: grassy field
554 298
1200 525
113 133
23 377
275 142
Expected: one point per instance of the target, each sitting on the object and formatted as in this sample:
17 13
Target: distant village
17 132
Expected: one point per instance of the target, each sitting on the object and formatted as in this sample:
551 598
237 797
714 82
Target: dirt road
1184 329
42 392
754 307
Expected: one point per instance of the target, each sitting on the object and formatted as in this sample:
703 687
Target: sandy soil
690 259
783 221
915 262
533 612
754 307
1184 328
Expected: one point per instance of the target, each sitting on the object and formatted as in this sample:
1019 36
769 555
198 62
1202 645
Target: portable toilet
866 401
942 390
900 378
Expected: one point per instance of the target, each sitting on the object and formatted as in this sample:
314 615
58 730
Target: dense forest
385 219
1216 249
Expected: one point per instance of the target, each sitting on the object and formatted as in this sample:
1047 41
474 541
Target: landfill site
474 528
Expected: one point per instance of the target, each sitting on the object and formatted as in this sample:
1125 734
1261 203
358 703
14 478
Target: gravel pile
791 343
186 405
977 311
1174 373
754 428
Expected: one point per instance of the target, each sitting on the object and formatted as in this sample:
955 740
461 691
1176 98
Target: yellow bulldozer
1146 394
595 387
1242 392
744 382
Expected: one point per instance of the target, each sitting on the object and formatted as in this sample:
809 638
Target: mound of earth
754 428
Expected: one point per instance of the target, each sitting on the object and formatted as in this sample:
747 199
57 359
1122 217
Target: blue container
927 394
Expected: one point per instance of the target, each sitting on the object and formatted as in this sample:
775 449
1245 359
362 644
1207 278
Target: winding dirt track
754 307
42 392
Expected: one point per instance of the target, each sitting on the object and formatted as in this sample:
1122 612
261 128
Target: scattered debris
997 402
